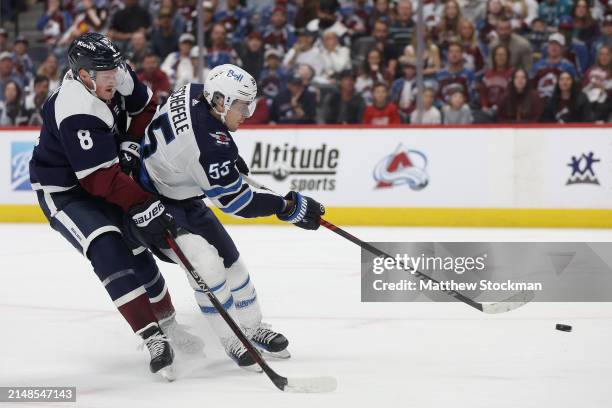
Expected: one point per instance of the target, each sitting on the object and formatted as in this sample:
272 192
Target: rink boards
461 176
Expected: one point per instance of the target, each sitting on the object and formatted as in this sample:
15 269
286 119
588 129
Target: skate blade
282 355
254 368
168 373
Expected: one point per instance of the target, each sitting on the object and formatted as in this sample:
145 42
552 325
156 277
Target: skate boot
180 338
237 352
272 343
162 355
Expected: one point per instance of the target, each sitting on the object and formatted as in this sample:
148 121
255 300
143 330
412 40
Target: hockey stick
513 302
302 385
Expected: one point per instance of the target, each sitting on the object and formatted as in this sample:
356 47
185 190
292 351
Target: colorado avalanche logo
404 166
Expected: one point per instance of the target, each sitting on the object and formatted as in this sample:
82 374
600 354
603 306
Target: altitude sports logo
306 168
404 166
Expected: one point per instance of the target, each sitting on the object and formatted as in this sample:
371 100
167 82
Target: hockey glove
129 159
153 222
305 213
242 166
125 82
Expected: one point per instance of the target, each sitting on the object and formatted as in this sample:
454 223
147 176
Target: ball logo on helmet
238 77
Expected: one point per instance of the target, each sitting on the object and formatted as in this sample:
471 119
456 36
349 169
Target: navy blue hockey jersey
78 133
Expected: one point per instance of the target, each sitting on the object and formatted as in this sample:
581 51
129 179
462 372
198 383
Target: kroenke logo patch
21 153
582 169
306 168
404 166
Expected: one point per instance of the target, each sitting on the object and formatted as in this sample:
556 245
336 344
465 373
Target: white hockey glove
125 82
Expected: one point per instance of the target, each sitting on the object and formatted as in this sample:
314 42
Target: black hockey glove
242 166
305 213
129 159
153 222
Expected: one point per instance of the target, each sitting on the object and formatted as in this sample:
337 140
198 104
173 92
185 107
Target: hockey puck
563 327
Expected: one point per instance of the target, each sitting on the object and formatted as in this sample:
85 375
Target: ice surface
57 327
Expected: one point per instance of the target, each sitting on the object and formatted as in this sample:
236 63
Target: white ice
58 328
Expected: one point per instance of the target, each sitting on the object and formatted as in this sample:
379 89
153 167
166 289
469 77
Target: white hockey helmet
228 83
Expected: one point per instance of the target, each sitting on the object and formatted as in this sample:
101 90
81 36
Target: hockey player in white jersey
187 154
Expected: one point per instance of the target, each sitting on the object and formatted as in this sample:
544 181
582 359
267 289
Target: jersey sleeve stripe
238 203
219 191
84 173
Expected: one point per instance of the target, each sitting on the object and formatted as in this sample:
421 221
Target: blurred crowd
341 61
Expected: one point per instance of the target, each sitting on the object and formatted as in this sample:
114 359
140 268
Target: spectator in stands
336 58
472 56
34 100
88 17
344 106
431 115
252 54
552 10
279 33
304 52
155 78
177 65
456 111
518 13
137 50
495 81
487 25
567 104
381 111
455 73
546 70
381 12
597 85
356 18
49 68
520 49
431 55
234 19
220 52
538 37
520 104
379 40
12 112
24 67
295 104
127 21
53 23
404 89
402 27
606 36
576 51
273 78
164 35
7 72
448 28
327 20
373 71
585 27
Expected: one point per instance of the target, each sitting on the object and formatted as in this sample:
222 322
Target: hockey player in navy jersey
187 154
84 194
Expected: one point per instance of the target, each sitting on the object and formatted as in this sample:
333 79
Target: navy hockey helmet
93 52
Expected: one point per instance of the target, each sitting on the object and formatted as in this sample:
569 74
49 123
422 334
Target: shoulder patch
74 99
220 138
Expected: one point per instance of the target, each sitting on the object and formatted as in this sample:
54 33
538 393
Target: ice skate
161 352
